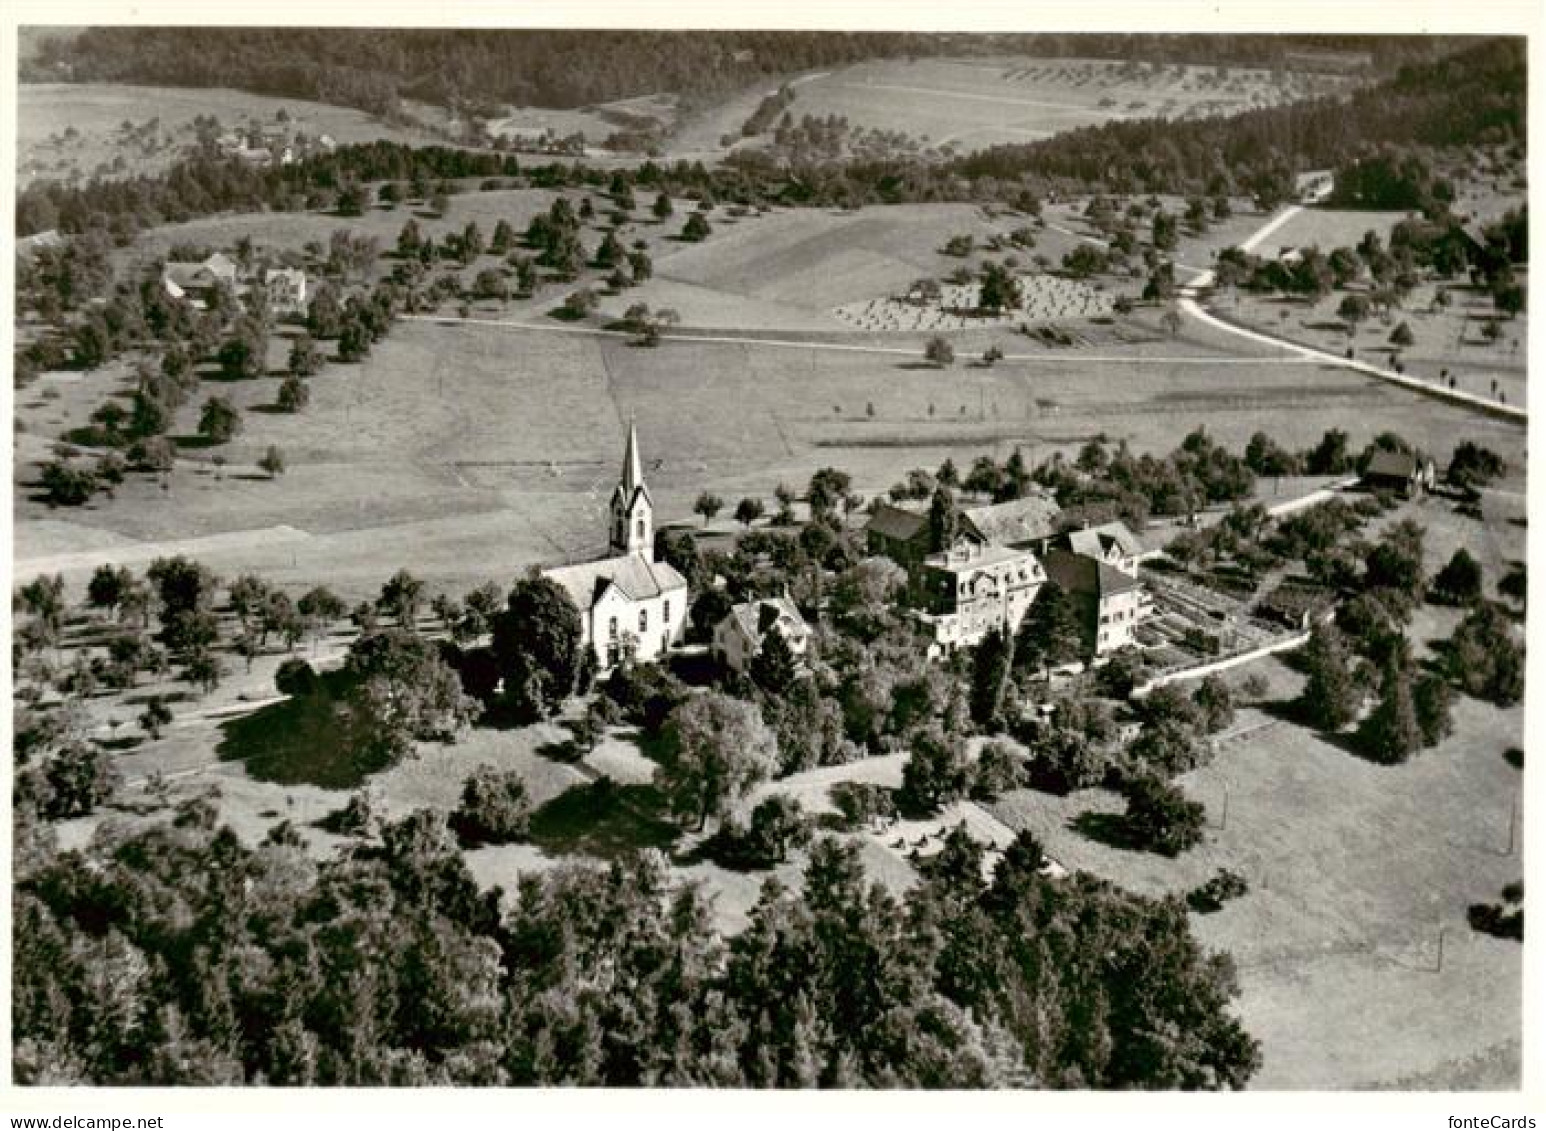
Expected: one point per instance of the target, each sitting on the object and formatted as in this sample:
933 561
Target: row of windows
644 619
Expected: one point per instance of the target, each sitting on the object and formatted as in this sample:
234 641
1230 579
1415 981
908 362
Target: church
631 606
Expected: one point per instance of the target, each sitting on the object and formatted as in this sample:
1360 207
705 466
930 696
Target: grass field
1337 949
98 110
973 103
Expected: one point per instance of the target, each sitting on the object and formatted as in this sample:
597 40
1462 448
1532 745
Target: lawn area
1336 947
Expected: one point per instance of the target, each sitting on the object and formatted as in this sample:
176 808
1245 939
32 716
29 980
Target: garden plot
1045 298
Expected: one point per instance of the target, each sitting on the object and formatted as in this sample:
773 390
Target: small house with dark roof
899 534
1110 601
740 635
1405 473
631 606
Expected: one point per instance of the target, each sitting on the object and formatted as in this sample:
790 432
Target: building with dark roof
1403 472
1110 601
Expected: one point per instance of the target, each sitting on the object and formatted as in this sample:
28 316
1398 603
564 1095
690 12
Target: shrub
999 769
1161 818
860 803
495 808
1211 896
296 678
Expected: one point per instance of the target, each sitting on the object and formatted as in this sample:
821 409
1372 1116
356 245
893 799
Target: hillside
1474 97
372 69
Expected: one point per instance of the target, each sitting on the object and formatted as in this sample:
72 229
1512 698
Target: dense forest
372 69
176 955
1473 98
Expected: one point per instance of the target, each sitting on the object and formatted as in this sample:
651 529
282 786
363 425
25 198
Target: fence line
1196 671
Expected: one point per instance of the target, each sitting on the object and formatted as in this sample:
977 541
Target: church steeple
632 511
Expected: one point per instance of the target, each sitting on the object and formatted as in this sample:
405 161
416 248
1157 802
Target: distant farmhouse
631 606
1406 473
286 287
195 281
1315 187
1001 556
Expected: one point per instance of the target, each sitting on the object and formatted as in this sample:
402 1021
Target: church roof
634 575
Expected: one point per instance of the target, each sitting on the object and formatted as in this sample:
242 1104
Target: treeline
176 955
1473 98
373 69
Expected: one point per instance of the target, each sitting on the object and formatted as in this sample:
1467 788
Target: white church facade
631 606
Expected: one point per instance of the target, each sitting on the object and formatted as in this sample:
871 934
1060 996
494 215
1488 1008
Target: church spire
632 513
633 474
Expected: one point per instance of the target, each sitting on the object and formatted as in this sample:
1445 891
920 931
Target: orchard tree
748 511
708 505
999 289
401 598
402 691
273 462
219 420
305 357
294 394
495 808
1459 582
108 586
939 352
1161 818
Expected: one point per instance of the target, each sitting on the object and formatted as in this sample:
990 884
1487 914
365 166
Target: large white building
631 606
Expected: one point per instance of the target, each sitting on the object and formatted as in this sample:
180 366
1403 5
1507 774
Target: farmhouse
1403 472
1110 601
1315 187
195 281
286 287
739 636
631 606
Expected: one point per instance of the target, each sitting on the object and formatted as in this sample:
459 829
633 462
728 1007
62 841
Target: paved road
1189 305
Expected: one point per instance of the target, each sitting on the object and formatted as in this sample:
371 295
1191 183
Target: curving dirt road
1188 303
